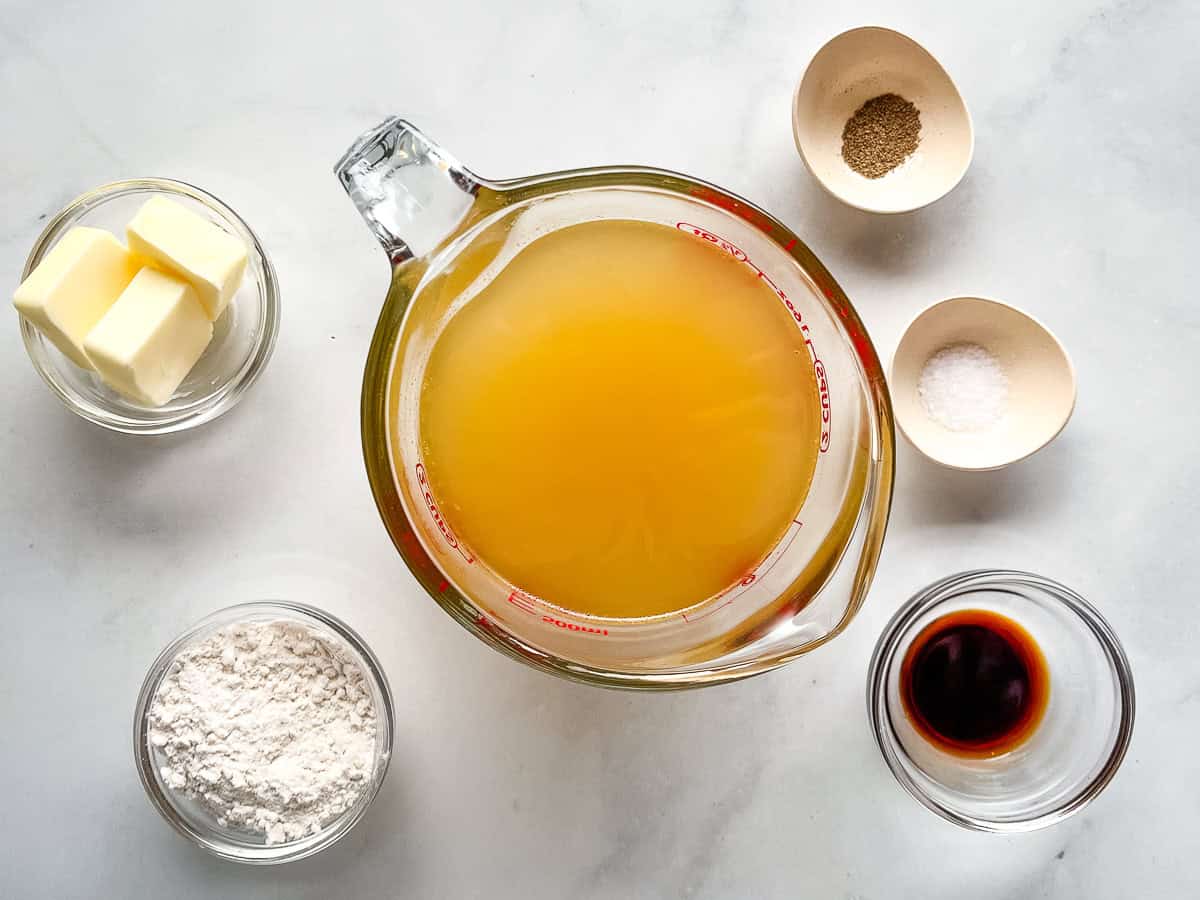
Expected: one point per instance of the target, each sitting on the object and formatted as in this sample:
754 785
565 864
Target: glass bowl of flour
264 732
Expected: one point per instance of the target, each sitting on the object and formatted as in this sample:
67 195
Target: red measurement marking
826 411
442 587
790 244
708 612
763 570
747 580
572 626
797 522
818 366
527 604
706 235
423 481
522 602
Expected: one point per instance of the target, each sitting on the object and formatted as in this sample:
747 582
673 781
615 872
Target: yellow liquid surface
623 422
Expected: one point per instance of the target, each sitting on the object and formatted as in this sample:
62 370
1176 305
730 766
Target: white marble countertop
1081 206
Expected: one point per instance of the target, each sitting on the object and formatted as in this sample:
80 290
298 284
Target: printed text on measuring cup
431 505
818 366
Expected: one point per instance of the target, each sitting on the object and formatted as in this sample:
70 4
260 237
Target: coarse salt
963 388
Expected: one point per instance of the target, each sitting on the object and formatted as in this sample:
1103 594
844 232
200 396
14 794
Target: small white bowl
848 71
1041 383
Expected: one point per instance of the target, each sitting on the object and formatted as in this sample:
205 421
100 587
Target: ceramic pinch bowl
1039 374
853 68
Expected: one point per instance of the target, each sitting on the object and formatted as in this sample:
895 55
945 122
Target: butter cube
73 286
146 344
189 246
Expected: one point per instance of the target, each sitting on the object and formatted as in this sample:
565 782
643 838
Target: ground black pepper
883 133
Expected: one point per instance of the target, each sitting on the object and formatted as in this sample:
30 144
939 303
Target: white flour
267 724
964 388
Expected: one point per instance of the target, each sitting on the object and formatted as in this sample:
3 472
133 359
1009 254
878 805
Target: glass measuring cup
447 231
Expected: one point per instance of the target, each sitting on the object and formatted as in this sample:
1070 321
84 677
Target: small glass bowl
243 337
190 818
1083 734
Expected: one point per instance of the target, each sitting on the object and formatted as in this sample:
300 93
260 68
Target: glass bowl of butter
159 336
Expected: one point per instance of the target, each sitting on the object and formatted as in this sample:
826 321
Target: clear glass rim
929 597
259 854
877 494
223 398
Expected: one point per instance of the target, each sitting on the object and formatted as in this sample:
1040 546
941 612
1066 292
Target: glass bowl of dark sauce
1001 700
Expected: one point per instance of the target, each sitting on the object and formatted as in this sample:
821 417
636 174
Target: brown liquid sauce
974 683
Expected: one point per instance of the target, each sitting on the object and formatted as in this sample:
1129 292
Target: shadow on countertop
932 494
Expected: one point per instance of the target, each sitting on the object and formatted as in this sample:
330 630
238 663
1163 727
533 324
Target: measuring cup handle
410 191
